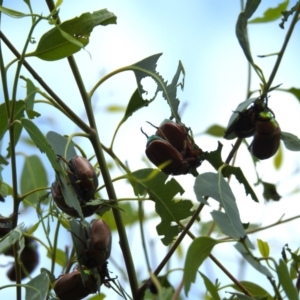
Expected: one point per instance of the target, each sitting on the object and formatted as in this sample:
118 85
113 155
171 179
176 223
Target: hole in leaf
150 87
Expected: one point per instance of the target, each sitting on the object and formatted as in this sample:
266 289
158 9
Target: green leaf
59 144
291 142
254 289
136 102
286 281
31 91
41 142
60 257
198 251
162 192
215 130
214 185
147 67
294 91
215 159
33 176
263 247
241 28
6 189
37 288
15 235
13 13
240 177
271 14
278 158
211 288
270 191
70 36
254 262
18 114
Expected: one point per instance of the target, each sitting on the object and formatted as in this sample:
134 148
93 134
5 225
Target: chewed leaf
272 14
70 36
136 102
162 192
147 67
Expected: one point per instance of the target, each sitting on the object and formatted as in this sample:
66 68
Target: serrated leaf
291 142
136 102
41 142
162 192
37 288
70 36
214 185
263 248
240 177
147 67
255 263
271 14
254 289
270 191
30 94
33 176
211 288
215 130
198 251
215 159
286 281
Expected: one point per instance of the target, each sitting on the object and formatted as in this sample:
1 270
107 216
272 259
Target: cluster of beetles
173 150
97 244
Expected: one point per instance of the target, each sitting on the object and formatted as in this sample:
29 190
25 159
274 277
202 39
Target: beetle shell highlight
160 151
70 287
83 177
266 140
99 245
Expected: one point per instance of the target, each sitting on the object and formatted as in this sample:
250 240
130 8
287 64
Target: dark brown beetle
87 210
70 287
172 144
5 225
83 177
160 151
98 246
29 258
266 139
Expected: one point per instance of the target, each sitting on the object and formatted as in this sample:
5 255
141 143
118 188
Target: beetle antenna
144 133
152 124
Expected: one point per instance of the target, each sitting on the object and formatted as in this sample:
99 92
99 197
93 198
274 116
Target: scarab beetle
172 145
98 245
87 210
70 286
160 151
83 177
29 258
266 139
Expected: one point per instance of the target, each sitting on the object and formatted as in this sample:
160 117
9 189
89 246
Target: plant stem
95 140
281 52
142 289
